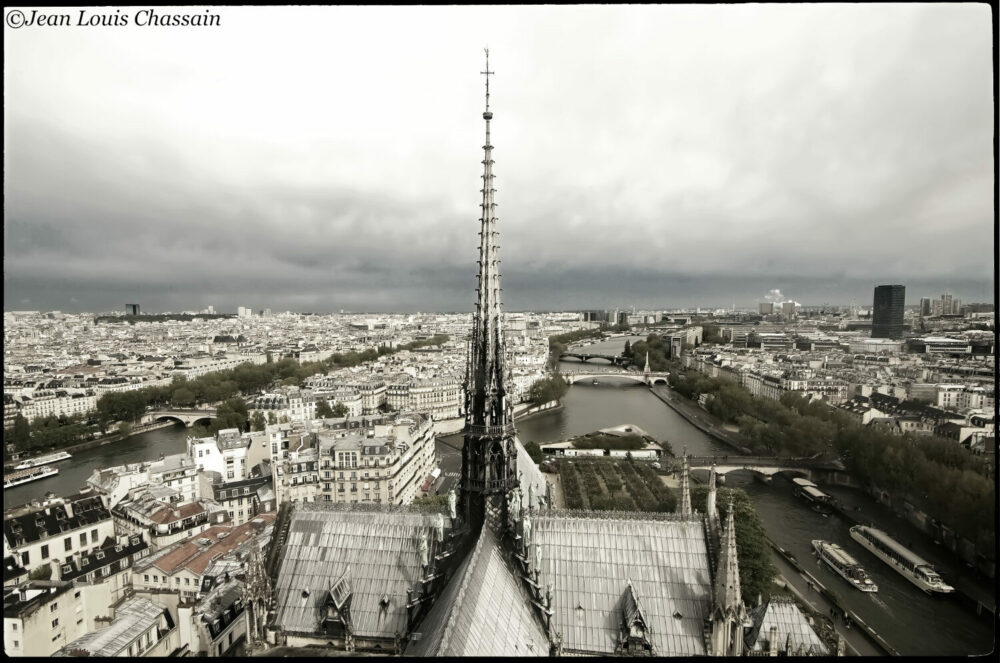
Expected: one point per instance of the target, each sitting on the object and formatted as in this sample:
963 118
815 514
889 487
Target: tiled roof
37 524
793 628
197 552
132 619
379 546
589 559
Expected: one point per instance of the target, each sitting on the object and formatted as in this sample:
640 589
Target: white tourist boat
17 477
913 567
42 460
846 566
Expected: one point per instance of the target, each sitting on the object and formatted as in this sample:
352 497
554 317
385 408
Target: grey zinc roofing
484 611
380 547
589 558
792 625
132 619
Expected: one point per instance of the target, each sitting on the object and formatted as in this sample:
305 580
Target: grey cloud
665 155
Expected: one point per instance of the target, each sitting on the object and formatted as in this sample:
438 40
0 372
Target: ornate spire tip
487 115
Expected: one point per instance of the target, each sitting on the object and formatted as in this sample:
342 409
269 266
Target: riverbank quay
861 639
700 419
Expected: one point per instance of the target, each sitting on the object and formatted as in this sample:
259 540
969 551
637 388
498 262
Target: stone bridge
649 379
765 466
615 360
188 417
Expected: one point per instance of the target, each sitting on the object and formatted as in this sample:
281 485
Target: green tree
41 573
182 397
431 500
535 452
272 418
323 409
548 389
340 410
257 422
21 433
125 429
757 572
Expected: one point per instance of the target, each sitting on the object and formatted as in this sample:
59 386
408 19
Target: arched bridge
649 379
766 466
615 360
188 417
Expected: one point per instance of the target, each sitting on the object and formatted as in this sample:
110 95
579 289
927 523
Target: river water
910 621
73 473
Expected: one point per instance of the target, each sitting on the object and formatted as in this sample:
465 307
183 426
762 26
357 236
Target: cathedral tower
489 456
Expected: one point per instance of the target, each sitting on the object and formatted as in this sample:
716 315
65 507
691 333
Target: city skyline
641 163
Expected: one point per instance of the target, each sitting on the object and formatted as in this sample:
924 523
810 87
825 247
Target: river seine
910 621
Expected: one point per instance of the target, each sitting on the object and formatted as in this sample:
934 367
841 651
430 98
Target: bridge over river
583 356
188 417
765 466
651 378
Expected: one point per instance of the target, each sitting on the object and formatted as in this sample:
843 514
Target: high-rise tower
887 311
489 456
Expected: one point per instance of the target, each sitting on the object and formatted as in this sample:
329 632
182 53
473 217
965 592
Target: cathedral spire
727 588
684 504
728 612
489 454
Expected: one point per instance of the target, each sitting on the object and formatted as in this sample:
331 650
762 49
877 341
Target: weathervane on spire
487 74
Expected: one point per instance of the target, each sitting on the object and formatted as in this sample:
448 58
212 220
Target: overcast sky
318 159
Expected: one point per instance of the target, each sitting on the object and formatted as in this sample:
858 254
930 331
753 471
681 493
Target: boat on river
17 477
42 460
817 499
910 565
846 566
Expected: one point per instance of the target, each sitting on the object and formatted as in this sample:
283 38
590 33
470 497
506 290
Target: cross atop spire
487 73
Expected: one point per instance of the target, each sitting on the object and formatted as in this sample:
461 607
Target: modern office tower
788 310
131 309
925 306
887 311
766 308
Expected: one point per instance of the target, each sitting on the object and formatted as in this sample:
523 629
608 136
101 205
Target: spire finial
487 74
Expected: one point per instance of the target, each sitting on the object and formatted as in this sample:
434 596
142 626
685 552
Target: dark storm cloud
653 156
